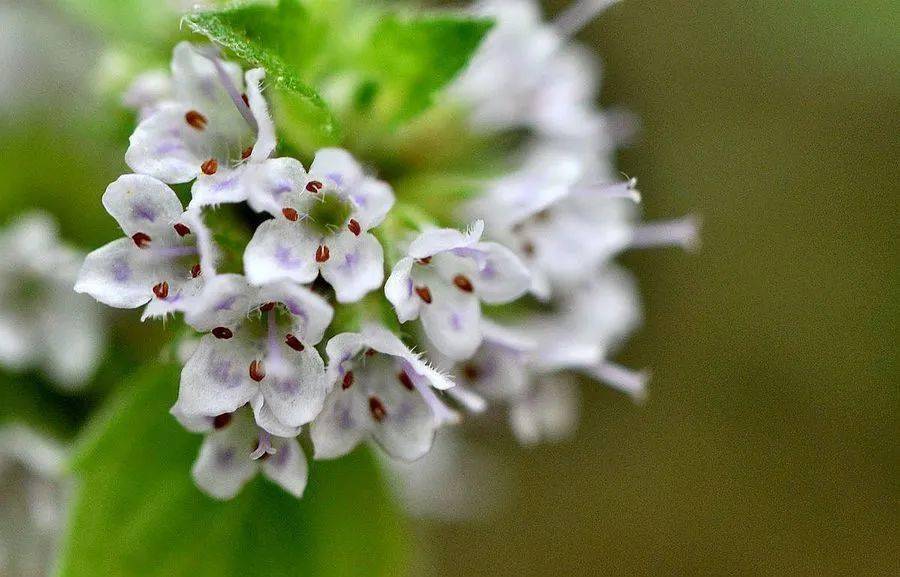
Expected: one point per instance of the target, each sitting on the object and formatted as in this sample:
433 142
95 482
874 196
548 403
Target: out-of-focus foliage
137 511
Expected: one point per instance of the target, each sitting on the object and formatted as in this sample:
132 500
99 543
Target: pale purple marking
225 457
225 184
143 211
360 200
409 287
281 456
281 188
456 322
489 271
345 419
289 387
284 258
221 371
121 271
351 259
226 304
338 179
169 147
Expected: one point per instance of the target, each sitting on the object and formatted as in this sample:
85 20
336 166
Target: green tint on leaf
412 58
138 513
282 39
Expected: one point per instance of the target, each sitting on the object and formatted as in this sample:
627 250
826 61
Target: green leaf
137 512
413 57
282 39
131 20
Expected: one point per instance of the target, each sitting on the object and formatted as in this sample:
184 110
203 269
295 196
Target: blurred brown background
768 445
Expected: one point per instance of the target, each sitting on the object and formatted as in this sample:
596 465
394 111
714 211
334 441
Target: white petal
141 203
225 301
265 136
341 348
287 466
19 341
195 79
399 291
76 329
295 388
182 295
342 423
224 465
166 147
384 341
147 91
117 275
281 250
372 200
192 423
452 321
502 277
407 429
336 168
266 419
355 266
216 379
437 240
548 412
206 246
227 185
311 313
271 182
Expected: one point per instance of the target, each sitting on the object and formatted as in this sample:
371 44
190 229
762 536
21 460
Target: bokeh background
768 445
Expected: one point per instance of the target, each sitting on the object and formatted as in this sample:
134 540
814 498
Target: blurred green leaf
137 512
413 57
137 21
280 38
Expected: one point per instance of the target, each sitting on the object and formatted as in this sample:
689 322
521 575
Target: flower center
329 213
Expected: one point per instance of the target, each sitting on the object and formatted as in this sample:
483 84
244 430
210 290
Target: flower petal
399 291
295 388
287 467
280 250
227 185
341 425
336 168
437 240
372 200
216 379
311 313
548 412
384 341
141 203
224 301
224 465
407 428
266 419
355 266
452 321
166 147
271 182
195 79
117 275
502 277
265 134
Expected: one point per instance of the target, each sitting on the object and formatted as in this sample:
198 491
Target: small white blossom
444 279
147 92
270 364
163 254
324 228
380 390
43 324
235 450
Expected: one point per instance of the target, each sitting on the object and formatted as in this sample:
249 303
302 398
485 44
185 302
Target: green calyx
329 212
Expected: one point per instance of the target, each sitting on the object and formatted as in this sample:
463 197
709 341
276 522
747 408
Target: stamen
528 248
463 283
257 371
195 270
314 186
236 97
245 99
290 214
624 379
683 232
376 407
293 342
181 229
624 190
209 167
221 421
405 380
222 333
263 446
161 290
578 15
245 154
439 410
424 293
141 239
267 307
354 227
424 260
322 253
195 119
370 352
471 372
347 381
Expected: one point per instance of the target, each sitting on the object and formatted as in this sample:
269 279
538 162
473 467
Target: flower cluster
306 331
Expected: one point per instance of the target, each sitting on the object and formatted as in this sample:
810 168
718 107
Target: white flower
147 92
163 253
271 365
324 228
43 324
560 216
33 503
235 450
443 280
381 390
